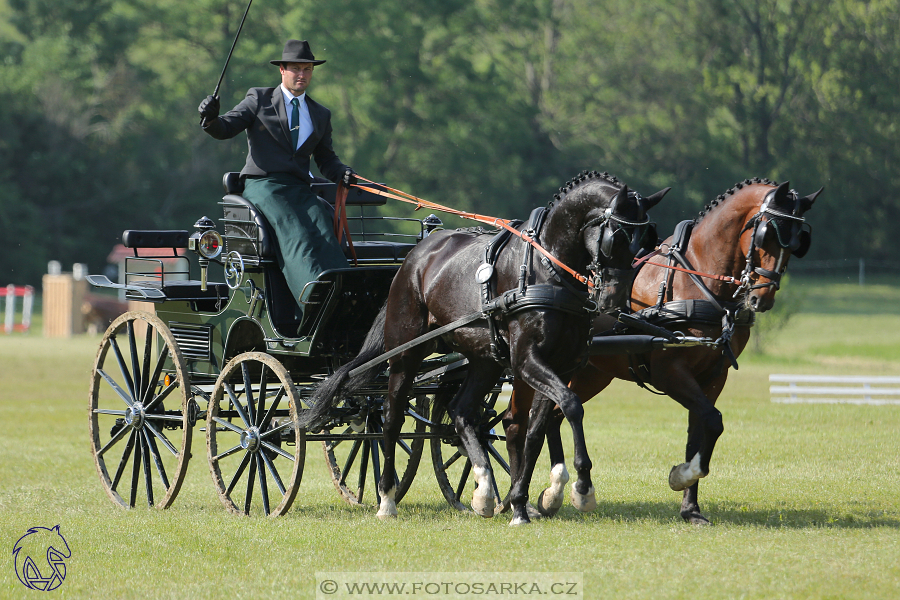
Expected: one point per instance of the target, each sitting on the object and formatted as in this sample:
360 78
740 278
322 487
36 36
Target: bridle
798 241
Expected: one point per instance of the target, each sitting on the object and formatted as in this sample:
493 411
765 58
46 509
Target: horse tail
328 393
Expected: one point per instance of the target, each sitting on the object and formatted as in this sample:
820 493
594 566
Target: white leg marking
483 498
685 475
551 499
388 507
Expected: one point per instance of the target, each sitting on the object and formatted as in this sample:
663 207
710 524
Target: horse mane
581 179
721 198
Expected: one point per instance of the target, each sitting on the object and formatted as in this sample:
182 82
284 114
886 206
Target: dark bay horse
749 233
539 315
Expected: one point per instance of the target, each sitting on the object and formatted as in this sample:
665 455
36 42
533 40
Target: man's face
296 76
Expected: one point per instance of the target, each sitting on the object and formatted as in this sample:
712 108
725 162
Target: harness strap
341 225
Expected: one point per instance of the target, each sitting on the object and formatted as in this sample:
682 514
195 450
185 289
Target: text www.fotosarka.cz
448 585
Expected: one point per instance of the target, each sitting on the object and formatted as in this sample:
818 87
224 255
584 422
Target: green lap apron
303 229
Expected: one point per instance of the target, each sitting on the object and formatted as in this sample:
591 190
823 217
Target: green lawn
805 499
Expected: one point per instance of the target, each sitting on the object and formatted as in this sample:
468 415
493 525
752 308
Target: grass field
805 499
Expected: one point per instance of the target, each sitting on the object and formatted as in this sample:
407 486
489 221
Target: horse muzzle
611 289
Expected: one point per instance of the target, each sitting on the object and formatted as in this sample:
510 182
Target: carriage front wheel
141 412
255 446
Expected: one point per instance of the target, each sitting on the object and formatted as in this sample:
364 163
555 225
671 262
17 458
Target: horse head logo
40 557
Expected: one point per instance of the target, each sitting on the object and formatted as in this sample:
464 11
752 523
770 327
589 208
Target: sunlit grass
805 499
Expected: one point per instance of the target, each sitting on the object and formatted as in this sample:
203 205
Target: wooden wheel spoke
376 468
273 472
263 487
277 450
405 447
248 394
135 365
350 458
456 456
154 452
116 387
148 480
228 452
363 467
162 395
104 411
260 412
124 460
154 378
460 488
276 430
237 405
498 457
135 479
240 471
114 440
228 425
274 407
248 499
163 439
145 365
129 383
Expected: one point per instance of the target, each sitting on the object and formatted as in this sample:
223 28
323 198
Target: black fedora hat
298 52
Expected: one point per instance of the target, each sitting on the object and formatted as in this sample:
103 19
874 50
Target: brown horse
748 234
539 316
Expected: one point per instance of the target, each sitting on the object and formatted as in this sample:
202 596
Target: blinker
795 237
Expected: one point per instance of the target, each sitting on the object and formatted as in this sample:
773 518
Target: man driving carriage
284 128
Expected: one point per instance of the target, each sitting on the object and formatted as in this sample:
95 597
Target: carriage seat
248 232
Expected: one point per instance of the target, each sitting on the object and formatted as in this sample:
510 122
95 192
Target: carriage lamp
207 243
431 222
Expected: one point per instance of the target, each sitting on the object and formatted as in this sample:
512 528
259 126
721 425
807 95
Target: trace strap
340 219
495 221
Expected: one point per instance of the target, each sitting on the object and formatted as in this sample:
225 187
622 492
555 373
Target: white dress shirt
306 126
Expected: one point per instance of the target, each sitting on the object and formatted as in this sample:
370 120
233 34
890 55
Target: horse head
778 231
613 227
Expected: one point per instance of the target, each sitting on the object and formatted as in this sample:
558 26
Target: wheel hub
250 439
134 416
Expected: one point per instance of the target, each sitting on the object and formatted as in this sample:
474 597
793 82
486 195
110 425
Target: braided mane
729 193
580 179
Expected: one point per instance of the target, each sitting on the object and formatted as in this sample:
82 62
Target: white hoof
388 508
685 475
517 521
483 504
551 499
584 502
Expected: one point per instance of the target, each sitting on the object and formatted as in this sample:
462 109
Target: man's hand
209 108
350 178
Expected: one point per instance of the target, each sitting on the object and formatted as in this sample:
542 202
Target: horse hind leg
698 452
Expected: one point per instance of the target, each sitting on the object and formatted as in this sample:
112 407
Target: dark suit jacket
263 116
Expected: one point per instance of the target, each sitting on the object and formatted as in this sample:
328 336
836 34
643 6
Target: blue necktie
295 122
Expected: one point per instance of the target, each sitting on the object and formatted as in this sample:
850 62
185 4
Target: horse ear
807 201
651 201
782 194
623 193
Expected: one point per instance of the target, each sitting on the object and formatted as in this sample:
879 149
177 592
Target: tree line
483 105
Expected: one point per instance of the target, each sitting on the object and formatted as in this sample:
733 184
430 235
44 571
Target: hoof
549 503
695 518
584 502
685 475
519 521
483 506
532 512
387 510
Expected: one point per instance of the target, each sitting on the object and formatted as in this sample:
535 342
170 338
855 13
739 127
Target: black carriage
236 359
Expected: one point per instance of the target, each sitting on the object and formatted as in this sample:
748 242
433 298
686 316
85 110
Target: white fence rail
835 389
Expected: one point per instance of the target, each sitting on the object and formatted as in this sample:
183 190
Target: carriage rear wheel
452 466
356 457
141 412
255 447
